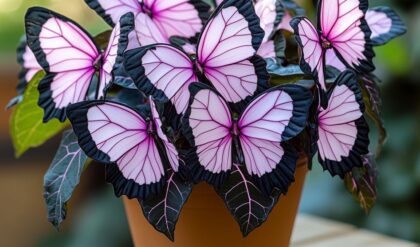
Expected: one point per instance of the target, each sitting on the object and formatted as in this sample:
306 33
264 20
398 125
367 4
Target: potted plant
190 104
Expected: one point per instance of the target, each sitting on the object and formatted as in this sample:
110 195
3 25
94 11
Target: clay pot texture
206 222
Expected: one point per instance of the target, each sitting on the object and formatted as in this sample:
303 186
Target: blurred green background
96 217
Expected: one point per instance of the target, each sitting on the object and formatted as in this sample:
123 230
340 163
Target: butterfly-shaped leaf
342 33
385 25
130 142
62 177
245 201
156 20
71 58
257 139
342 129
163 210
225 57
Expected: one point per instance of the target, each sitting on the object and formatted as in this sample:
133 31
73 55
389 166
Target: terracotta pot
205 221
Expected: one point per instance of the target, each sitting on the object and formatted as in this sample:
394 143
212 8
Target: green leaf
361 183
26 126
102 39
63 176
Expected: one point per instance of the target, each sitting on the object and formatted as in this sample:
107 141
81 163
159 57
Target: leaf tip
170 236
55 223
56 226
245 233
19 153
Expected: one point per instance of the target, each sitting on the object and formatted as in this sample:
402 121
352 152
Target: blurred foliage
12 13
397 211
392 52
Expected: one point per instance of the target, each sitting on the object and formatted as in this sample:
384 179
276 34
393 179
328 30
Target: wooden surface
311 231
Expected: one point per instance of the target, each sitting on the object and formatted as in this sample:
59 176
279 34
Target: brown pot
205 221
